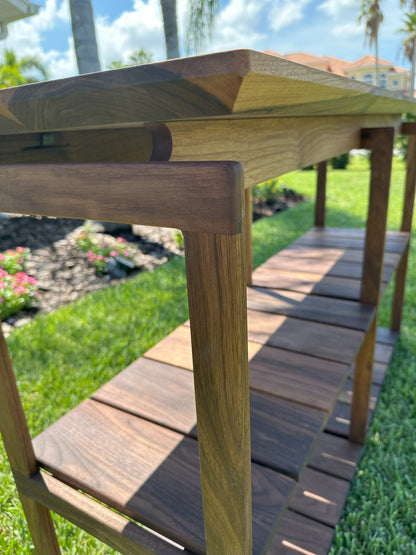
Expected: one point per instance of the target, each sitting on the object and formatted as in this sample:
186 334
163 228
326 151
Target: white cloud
139 28
286 12
338 8
237 25
347 30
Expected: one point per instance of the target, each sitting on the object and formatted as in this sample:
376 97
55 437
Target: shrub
340 162
268 192
102 250
17 289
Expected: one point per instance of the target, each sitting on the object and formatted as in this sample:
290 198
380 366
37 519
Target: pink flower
20 289
2 257
113 254
121 240
2 273
126 253
20 249
2 285
10 252
31 280
104 244
2 300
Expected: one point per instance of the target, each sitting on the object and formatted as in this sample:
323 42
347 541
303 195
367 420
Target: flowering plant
17 289
100 251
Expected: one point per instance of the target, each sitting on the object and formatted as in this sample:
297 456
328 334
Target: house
390 76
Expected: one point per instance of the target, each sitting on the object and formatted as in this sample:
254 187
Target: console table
214 440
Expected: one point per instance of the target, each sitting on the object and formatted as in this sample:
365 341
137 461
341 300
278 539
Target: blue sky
321 27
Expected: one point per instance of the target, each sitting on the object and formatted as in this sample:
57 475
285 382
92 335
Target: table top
228 85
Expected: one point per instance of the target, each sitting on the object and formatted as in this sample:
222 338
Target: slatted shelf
301 349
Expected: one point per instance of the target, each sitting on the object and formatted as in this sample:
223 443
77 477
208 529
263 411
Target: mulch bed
63 271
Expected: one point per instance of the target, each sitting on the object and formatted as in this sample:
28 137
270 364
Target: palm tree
83 31
409 43
170 26
14 71
372 15
142 56
201 21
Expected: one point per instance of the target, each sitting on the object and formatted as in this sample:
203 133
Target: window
395 83
368 78
382 80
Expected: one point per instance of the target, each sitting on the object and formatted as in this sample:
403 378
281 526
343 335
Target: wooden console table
180 144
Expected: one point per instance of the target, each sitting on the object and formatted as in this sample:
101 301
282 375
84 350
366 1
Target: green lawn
62 357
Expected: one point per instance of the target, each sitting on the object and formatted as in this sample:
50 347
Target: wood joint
371 135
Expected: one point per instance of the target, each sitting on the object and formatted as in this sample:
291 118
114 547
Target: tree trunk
412 72
171 28
83 31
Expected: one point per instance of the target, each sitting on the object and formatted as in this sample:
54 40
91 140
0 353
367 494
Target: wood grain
18 445
308 380
315 308
320 195
102 145
381 161
320 496
267 147
226 84
147 472
148 193
301 336
248 240
362 386
95 518
216 277
336 456
407 217
282 433
298 534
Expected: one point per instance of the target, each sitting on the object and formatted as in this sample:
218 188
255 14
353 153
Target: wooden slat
310 307
353 233
383 352
379 372
95 518
393 246
386 335
282 433
324 267
308 380
320 195
311 338
149 193
147 472
347 392
336 456
340 420
320 496
310 255
299 535
216 278
307 282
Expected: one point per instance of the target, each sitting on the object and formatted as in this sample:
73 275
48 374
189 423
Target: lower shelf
133 445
